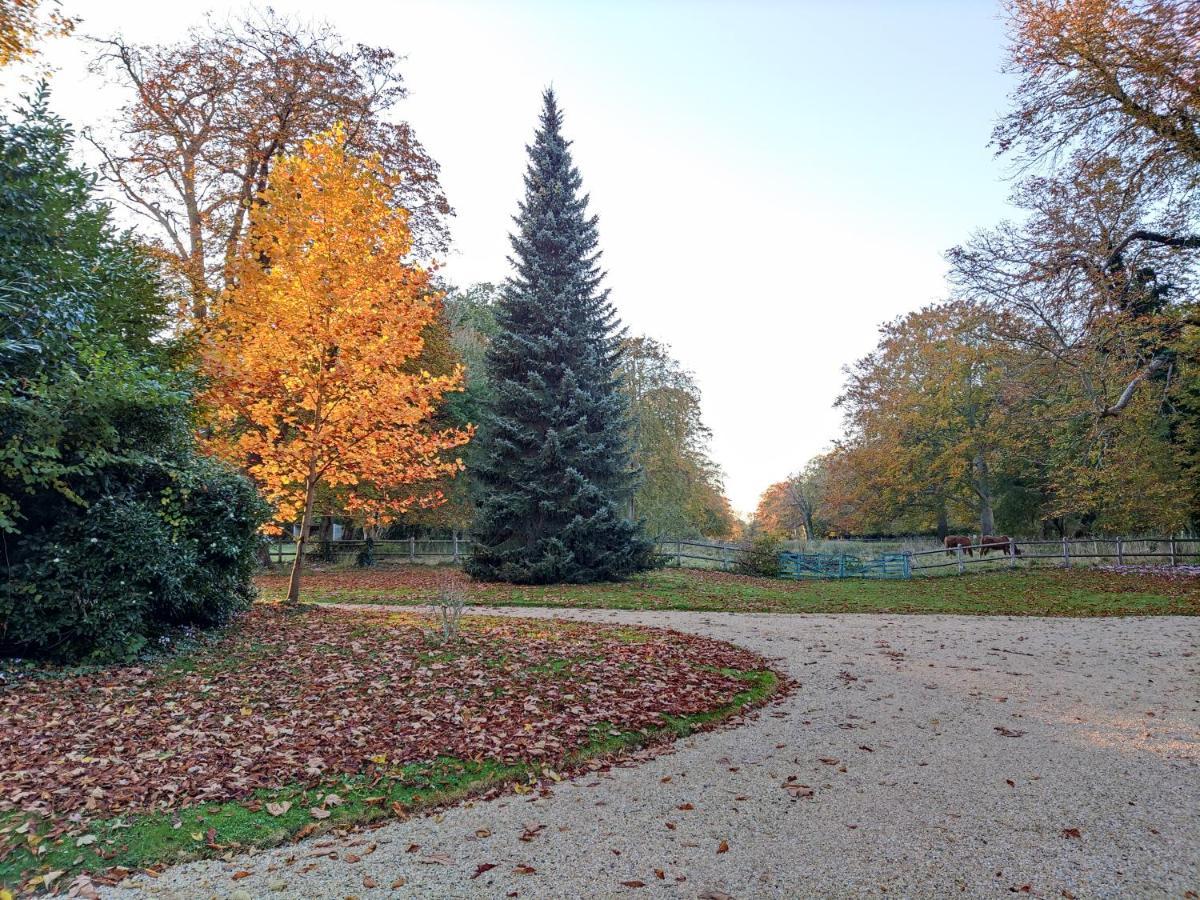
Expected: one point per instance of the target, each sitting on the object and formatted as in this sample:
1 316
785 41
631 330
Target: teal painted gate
843 565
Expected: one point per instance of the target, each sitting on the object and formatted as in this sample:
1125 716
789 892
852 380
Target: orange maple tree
308 357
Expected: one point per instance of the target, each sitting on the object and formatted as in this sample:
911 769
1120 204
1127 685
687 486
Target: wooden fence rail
724 555
1065 552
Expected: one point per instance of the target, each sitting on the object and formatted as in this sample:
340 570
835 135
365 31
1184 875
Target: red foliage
290 698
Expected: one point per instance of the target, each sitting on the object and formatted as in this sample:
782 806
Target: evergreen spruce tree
554 473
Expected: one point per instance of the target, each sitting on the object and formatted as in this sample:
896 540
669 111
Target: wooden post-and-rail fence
924 557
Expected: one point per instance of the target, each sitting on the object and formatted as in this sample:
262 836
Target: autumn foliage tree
1096 288
23 23
681 492
207 118
796 505
308 357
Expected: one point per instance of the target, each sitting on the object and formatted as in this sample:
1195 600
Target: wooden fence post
679 554
412 549
958 552
1173 551
1120 552
454 538
1012 553
1066 553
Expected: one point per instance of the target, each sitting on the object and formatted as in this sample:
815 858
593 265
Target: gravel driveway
946 755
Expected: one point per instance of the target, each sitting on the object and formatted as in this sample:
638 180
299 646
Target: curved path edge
977 756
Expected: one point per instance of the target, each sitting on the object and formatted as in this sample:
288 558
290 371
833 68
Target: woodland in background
1057 390
194 148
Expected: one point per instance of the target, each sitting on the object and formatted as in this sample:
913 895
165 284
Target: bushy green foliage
113 528
169 546
760 556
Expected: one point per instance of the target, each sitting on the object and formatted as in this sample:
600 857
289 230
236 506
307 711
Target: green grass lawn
1045 592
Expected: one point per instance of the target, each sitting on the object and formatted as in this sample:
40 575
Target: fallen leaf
278 809
82 888
399 883
723 847
634 884
523 869
238 876
1008 732
369 882
1072 833
483 867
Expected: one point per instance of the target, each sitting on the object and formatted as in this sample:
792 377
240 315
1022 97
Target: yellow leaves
307 356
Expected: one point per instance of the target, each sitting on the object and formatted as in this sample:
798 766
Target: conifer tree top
554 474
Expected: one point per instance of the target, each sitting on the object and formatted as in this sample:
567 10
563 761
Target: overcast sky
773 180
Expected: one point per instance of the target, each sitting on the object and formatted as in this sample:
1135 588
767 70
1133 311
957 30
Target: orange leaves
309 353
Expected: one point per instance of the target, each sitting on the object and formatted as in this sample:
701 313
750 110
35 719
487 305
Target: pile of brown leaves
289 698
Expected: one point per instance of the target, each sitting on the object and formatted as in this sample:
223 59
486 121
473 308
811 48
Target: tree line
274 348
1057 388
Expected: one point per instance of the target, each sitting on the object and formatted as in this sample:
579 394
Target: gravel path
947 755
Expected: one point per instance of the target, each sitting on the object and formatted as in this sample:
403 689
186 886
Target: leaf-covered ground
1042 592
298 719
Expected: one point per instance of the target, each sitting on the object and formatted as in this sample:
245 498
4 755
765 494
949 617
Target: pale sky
774 180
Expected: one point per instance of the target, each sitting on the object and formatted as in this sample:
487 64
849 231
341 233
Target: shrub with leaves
113 527
760 556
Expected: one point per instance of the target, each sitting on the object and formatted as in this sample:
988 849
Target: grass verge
129 844
1072 593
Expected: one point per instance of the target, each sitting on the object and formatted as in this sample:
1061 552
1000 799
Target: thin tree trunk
310 492
195 262
987 521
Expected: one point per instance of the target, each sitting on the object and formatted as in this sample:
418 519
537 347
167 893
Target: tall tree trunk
310 491
943 520
808 524
195 262
987 521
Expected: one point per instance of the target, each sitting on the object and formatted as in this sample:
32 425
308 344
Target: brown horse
1000 542
954 541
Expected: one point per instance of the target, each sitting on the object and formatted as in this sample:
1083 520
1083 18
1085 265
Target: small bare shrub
449 604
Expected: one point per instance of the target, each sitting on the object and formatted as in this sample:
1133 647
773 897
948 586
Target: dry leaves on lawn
302 698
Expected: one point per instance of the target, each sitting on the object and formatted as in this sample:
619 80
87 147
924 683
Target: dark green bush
113 529
174 546
760 556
